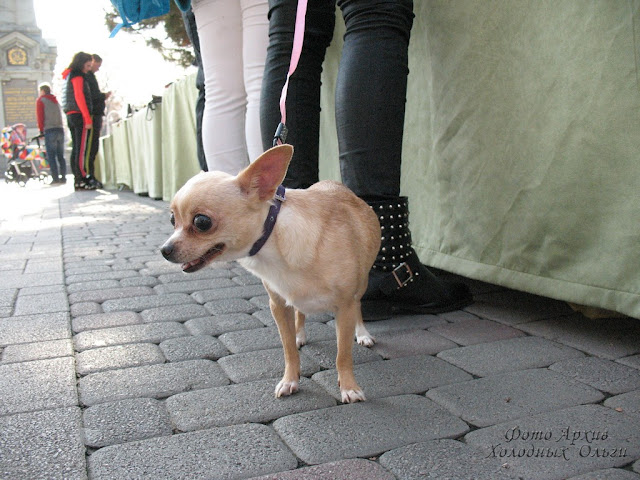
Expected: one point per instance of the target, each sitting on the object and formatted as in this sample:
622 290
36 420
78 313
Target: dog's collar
270 222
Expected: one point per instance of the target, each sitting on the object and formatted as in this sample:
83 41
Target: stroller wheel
46 178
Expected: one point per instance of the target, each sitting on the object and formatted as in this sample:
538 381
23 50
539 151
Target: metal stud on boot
398 282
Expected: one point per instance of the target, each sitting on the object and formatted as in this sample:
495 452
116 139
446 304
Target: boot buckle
403 274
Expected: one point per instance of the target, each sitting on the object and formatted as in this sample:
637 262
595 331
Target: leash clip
280 136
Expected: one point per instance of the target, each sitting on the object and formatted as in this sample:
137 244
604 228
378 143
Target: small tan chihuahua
312 250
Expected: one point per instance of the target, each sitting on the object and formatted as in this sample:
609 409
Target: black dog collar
270 222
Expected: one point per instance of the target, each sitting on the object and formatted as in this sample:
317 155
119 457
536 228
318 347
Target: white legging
233 44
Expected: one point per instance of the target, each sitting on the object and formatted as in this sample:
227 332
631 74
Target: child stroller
24 162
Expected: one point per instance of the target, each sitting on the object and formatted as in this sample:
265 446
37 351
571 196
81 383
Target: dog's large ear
265 174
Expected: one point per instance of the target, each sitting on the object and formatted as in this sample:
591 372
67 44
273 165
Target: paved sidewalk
116 365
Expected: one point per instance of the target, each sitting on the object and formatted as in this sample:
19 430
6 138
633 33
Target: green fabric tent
521 150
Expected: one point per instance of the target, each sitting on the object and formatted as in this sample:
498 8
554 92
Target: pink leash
298 38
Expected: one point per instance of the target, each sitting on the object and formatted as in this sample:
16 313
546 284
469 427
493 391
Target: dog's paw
352 396
365 340
285 388
301 339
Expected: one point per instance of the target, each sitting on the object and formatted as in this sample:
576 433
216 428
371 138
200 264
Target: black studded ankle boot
398 282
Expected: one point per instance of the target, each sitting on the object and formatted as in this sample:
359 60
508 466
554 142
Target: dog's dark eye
172 219
202 222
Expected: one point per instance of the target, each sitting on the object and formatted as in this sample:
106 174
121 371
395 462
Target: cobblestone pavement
116 365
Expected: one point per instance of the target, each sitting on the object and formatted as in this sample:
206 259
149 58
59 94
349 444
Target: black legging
370 93
78 146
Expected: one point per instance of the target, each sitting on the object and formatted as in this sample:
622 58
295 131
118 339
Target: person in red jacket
77 106
50 124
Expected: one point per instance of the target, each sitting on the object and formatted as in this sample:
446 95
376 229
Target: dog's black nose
166 250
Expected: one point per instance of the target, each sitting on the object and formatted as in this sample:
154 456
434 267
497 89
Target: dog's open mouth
198 263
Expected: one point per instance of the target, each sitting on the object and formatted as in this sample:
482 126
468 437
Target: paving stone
44 444
246 367
508 355
261 301
632 361
156 381
102 295
121 356
92 277
239 451
355 469
85 308
150 332
608 338
22 280
125 421
608 474
513 307
439 459
244 292
230 305
143 281
251 340
491 400
268 337
43 290
605 375
457 316
211 272
105 320
252 402
563 443
194 285
399 376
247 279
193 347
174 313
8 297
267 319
43 384
400 323
409 343
42 266
324 353
95 285
218 324
366 429
477 331
26 352
628 403
138 304
35 304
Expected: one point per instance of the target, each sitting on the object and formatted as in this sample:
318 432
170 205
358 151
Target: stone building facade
26 60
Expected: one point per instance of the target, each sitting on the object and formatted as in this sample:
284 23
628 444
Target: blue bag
133 11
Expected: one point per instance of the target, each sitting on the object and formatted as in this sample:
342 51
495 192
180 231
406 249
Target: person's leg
370 118
370 124
75 129
223 123
303 98
49 142
95 144
255 36
58 148
192 32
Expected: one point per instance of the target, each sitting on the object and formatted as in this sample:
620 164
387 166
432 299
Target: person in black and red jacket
77 106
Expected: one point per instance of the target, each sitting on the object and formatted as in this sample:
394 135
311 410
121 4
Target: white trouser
233 44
